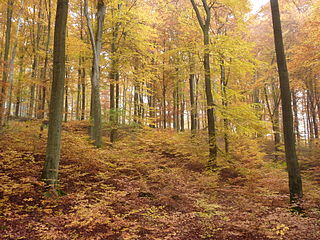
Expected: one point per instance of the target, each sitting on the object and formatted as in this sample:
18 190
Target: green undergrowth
150 184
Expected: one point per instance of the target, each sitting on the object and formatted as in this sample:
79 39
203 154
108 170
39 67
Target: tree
50 171
3 93
295 183
205 26
96 44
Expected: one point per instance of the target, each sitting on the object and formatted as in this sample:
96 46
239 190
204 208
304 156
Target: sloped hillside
149 185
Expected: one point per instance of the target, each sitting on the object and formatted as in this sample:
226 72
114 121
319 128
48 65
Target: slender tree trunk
224 103
42 106
78 100
312 104
192 82
11 65
309 121
276 131
164 100
18 91
295 110
3 93
51 167
124 100
34 75
295 183
66 104
83 70
182 113
83 97
175 110
205 26
136 102
96 42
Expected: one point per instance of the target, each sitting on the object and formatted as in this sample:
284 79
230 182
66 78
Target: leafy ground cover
151 184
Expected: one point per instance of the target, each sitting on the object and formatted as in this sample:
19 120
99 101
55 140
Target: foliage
149 185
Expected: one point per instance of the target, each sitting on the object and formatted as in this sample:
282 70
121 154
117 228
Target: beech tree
5 72
295 183
51 167
96 45
205 26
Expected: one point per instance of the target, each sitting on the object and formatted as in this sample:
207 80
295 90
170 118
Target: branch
208 13
198 14
90 28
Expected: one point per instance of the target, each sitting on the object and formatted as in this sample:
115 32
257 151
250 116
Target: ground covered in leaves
151 184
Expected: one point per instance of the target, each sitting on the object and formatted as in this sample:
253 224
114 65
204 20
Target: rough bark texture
295 183
50 171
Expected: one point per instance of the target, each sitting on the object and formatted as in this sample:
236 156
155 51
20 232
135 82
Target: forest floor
151 184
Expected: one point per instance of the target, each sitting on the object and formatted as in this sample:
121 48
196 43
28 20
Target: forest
159 119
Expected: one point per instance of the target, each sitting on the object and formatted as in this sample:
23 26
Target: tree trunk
295 110
3 93
295 183
182 113
224 83
78 100
193 113
82 70
11 65
205 26
41 114
66 104
96 42
18 91
50 171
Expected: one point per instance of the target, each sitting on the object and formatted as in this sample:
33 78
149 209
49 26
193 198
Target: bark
78 100
182 113
295 183
205 26
50 171
3 93
124 100
192 82
11 65
96 43
309 120
18 93
151 103
66 104
313 115
224 83
82 71
114 84
43 90
36 42
83 99
136 102
295 111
